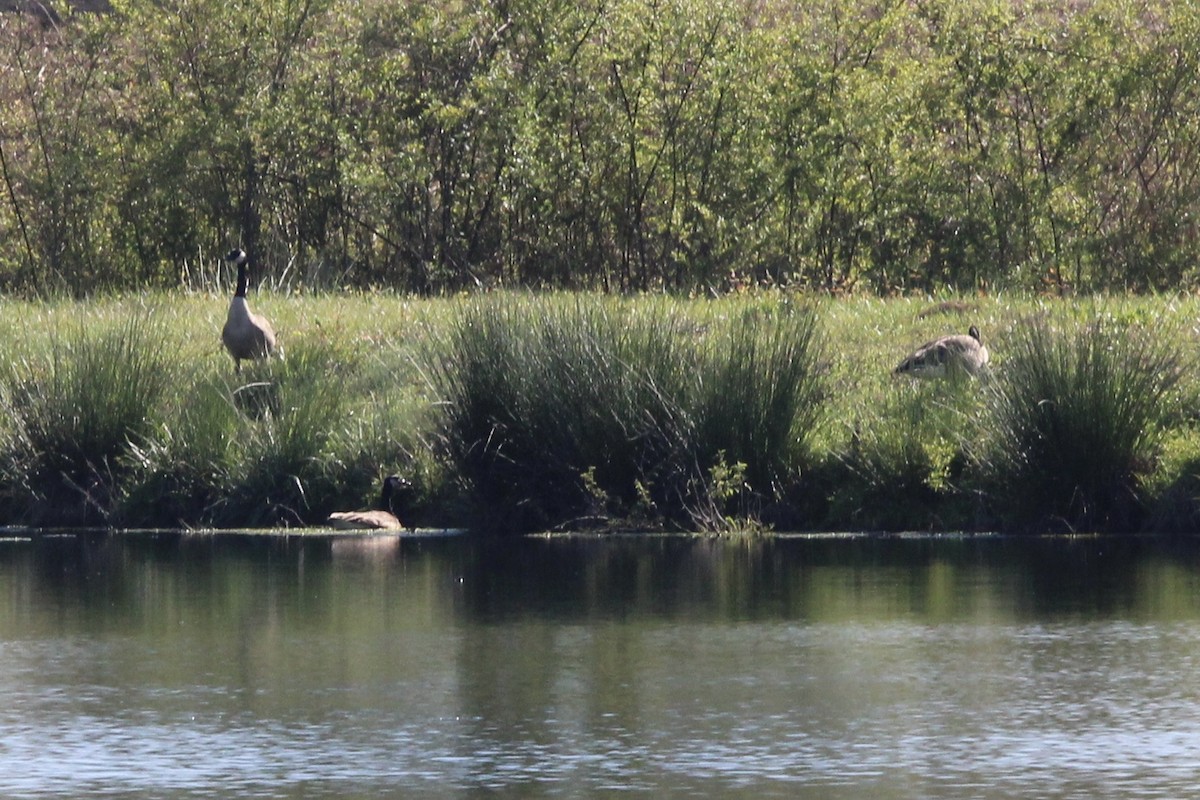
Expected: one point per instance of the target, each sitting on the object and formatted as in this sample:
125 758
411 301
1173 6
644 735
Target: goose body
382 518
957 351
246 335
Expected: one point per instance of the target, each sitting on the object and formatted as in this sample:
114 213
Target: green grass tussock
78 406
1074 420
281 443
538 394
585 409
524 412
127 412
264 440
759 390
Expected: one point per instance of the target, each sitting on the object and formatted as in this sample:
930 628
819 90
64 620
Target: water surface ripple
171 666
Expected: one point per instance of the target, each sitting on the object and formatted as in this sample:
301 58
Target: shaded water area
187 666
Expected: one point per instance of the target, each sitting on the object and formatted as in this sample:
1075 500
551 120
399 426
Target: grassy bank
639 145
523 412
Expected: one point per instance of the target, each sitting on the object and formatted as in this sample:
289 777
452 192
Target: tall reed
536 394
78 402
761 387
557 408
1073 421
251 452
185 470
758 394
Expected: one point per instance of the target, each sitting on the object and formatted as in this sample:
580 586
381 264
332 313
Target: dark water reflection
221 666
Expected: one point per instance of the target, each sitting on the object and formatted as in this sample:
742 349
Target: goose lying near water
382 518
957 351
246 334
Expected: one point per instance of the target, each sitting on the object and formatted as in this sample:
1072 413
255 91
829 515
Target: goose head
239 257
393 487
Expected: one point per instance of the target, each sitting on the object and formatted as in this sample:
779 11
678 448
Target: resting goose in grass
246 334
931 360
380 519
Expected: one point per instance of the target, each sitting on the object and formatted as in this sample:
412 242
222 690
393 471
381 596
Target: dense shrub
432 145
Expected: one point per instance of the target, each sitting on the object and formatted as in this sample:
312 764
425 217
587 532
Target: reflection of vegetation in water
498 651
822 578
740 413
577 578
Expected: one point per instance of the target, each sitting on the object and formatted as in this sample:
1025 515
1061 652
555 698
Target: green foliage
1074 418
759 390
533 411
689 144
81 404
128 417
182 471
902 467
635 398
538 394
278 458
725 501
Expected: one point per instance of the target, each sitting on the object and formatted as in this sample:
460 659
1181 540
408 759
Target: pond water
189 666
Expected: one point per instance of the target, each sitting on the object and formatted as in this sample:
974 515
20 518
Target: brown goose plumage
246 334
381 518
933 359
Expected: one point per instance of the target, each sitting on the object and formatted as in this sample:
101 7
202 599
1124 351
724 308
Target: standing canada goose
246 334
382 518
932 359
